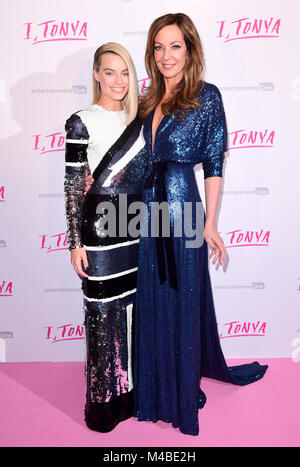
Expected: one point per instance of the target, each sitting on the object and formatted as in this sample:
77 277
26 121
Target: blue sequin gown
176 338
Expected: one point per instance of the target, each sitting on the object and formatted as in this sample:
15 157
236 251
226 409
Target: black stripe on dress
117 146
104 417
112 261
108 288
92 233
76 152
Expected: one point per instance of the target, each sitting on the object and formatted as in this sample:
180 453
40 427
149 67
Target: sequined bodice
98 141
200 137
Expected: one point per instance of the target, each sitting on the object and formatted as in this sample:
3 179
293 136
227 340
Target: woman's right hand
79 257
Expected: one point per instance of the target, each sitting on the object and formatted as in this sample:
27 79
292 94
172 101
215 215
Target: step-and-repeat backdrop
252 55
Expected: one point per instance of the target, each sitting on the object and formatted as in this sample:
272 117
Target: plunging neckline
157 128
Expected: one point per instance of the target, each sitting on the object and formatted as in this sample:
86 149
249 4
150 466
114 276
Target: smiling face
113 77
170 52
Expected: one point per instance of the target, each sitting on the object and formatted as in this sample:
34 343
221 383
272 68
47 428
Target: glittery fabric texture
110 288
176 338
77 139
107 358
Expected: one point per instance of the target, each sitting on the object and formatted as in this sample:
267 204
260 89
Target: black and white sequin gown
99 142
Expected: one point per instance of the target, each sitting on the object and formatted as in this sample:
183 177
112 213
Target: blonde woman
176 332
105 140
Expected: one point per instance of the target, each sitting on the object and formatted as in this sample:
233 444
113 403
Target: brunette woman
177 339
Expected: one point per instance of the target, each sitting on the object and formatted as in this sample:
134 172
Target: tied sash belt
164 244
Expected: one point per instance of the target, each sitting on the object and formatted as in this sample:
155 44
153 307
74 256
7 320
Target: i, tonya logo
142 85
53 30
239 238
247 28
2 196
6 289
66 332
242 139
55 242
49 143
242 329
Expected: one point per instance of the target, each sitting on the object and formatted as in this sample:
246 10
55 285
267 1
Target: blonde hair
184 94
130 101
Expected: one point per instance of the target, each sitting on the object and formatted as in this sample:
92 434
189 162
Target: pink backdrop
46 67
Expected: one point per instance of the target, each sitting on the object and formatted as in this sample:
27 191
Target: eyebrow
173 42
112 69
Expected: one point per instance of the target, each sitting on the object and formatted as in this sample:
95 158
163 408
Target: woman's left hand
216 243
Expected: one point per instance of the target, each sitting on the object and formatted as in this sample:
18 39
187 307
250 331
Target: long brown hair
184 95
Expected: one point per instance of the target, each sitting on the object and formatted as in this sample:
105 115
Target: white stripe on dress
74 164
77 141
133 151
110 299
129 333
111 276
111 247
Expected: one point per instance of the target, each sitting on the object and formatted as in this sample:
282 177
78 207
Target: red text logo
142 85
6 289
49 143
67 332
53 30
238 238
241 139
243 329
56 242
247 28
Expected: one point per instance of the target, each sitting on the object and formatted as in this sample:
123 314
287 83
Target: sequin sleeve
76 168
216 134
